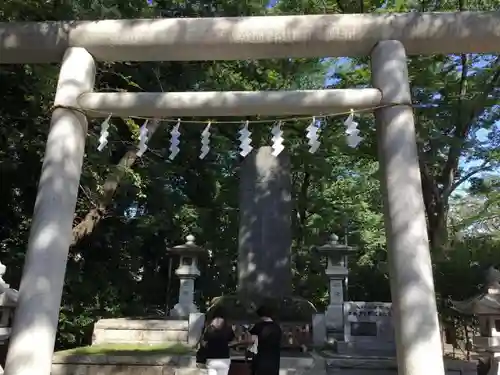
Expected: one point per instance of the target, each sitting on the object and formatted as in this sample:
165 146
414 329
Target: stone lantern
337 272
8 302
188 271
486 307
8 299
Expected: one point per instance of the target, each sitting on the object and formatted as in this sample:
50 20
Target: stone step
199 371
162 365
190 371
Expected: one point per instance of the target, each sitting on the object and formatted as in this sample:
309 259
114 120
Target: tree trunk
438 230
437 189
95 215
302 207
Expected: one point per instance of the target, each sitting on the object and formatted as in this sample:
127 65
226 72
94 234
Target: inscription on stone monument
336 291
368 325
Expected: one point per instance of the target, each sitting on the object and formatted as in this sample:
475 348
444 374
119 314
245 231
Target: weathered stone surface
164 365
368 329
146 360
137 336
386 366
82 369
134 331
196 323
265 225
319 330
185 365
126 323
190 371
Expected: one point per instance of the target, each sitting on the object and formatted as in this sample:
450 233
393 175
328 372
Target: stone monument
368 329
264 249
265 234
355 327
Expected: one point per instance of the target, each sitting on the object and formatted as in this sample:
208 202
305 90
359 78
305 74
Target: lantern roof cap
333 246
188 248
485 303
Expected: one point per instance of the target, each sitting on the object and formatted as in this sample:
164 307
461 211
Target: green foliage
119 266
127 350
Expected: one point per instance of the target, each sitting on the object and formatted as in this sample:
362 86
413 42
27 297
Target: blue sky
482 134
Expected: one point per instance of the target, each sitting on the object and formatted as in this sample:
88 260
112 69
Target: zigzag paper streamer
353 139
143 139
205 141
174 140
103 137
277 139
245 140
312 134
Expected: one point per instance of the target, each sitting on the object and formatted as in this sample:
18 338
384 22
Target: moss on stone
128 349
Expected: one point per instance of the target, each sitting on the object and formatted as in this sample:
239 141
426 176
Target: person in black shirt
267 335
217 338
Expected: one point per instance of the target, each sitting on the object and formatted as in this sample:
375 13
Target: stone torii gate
387 38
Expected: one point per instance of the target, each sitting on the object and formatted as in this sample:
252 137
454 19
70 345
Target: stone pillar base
319 330
334 317
196 322
183 311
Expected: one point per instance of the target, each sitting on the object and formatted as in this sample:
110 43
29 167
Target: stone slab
116 336
162 365
191 371
126 323
312 364
131 360
83 369
365 365
368 327
140 331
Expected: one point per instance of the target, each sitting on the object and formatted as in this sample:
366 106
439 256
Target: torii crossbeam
240 38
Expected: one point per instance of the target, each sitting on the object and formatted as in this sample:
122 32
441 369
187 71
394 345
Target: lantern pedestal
186 305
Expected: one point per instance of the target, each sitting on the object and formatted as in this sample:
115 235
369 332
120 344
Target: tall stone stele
265 235
337 272
188 271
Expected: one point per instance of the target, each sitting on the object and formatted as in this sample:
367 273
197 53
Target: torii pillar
418 340
31 345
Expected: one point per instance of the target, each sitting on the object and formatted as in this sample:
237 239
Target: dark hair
219 312
217 319
264 311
